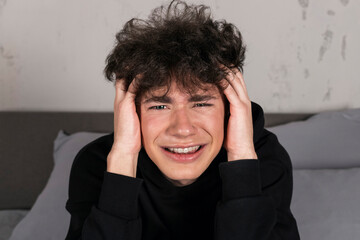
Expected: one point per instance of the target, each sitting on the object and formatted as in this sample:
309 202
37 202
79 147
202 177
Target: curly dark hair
178 42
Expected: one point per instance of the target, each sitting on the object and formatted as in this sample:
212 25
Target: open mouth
188 150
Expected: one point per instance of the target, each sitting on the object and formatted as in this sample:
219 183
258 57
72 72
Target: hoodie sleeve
102 205
256 194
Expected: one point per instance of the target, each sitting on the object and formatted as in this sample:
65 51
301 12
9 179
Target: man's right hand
123 156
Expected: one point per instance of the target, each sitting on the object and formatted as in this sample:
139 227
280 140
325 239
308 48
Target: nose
181 124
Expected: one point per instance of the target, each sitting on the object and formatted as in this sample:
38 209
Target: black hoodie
242 199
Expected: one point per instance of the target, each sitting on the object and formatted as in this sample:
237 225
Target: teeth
184 150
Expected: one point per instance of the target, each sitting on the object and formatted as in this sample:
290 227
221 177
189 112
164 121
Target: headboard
26 146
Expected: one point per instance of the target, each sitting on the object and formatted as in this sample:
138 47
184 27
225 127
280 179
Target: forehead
206 89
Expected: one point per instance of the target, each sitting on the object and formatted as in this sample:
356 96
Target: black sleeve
256 196
102 205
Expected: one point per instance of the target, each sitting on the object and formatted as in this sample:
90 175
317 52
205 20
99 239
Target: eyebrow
160 99
167 99
201 98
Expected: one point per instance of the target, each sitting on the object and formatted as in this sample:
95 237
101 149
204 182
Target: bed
37 149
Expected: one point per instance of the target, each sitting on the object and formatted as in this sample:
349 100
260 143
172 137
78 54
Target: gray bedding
8 220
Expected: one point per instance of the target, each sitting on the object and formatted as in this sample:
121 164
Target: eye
203 105
158 107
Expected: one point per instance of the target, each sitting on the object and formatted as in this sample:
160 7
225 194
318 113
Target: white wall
303 55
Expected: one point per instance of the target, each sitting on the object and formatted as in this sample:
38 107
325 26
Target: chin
183 174
182 179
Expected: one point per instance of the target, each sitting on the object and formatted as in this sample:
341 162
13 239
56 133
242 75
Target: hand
239 137
123 156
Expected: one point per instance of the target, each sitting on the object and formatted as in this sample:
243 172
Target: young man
189 157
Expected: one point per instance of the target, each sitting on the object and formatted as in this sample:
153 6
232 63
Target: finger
231 95
241 77
131 92
119 90
237 82
230 91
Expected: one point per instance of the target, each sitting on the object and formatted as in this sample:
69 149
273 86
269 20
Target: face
182 133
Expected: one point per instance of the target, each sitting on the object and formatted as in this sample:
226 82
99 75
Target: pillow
8 220
48 218
325 140
325 203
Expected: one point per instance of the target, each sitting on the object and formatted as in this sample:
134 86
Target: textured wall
303 55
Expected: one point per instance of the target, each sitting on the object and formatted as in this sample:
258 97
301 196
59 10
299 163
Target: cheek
217 125
150 128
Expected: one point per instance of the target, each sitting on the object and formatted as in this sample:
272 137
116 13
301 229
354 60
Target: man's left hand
239 138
